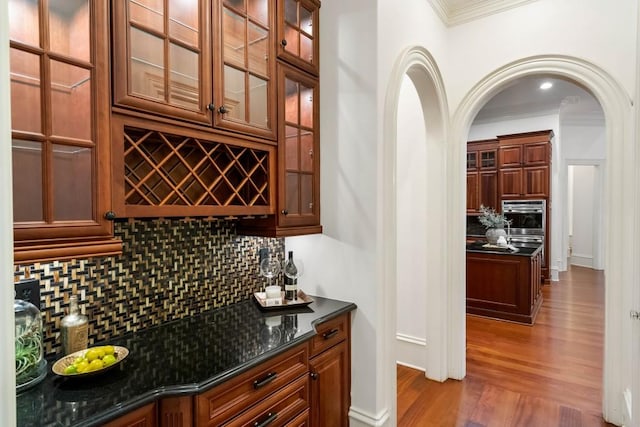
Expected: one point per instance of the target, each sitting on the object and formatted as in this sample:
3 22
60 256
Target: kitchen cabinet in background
524 165
60 130
482 175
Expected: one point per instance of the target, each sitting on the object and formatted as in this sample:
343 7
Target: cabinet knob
313 375
283 42
110 215
223 110
211 107
284 212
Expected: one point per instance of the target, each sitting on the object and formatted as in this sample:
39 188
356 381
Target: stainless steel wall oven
528 221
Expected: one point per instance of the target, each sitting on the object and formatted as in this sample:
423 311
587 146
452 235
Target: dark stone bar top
524 249
183 357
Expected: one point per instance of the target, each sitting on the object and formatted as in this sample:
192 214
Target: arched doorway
418 65
619 244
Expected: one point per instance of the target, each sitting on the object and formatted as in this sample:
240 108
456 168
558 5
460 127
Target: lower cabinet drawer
301 420
222 403
279 409
330 333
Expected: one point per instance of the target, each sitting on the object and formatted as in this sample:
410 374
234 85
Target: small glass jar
31 367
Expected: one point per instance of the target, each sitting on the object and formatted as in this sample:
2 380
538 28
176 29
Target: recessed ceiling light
546 85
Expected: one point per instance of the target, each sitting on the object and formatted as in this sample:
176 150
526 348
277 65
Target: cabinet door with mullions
298 33
244 90
298 149
59 88
162 60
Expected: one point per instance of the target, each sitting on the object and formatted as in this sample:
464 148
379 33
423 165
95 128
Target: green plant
28 353
491 219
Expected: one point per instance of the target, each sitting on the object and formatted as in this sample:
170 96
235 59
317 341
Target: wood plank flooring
546 375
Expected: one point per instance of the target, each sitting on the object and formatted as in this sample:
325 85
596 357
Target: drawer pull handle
332 333
266 380
270 417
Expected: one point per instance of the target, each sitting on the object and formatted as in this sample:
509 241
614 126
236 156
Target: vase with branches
494 223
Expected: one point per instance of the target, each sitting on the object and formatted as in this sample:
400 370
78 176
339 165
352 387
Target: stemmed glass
269 268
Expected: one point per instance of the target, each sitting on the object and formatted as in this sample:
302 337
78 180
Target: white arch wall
345 262
543 27
620 243
411 195
358 55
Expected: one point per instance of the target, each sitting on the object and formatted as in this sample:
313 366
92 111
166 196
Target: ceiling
454 12
524 97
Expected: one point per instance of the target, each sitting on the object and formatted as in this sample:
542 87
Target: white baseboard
409 365
582 260
411 351
361 418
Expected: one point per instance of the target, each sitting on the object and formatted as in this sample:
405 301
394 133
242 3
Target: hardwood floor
546 375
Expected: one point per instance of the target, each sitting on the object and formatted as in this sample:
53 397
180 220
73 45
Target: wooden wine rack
166 174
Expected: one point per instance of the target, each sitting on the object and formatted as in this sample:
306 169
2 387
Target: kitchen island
183 371
504 284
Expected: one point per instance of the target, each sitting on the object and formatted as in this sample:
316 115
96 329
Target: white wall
365 39
7 361
584 141
584 144
412 230
543 27
582 214
360 42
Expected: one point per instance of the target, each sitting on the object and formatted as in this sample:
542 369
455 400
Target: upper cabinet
244 90
60 129
298 33
162 57
524 163
482 175
207 62
299 160
298 124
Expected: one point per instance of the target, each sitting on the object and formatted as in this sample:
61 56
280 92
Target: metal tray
301 301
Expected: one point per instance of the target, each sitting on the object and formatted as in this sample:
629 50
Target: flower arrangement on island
491 219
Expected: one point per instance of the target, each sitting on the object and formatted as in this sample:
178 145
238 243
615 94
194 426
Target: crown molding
458 15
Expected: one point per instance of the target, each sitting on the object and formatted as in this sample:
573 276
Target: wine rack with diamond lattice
170 174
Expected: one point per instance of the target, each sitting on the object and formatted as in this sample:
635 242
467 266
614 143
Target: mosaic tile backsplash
169 269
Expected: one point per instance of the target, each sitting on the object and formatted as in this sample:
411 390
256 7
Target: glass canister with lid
31 367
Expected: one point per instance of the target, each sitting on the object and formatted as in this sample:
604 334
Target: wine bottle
290 279
74 328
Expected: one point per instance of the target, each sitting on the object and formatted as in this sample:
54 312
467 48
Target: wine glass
269 268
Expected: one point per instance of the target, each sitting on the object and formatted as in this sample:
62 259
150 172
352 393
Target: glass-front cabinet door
61 186
298 149
244 91
298 33
162 60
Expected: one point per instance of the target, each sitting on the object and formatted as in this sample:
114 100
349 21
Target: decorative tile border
169 269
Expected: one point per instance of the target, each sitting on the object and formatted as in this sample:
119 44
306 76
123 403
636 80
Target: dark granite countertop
183 357
524 249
